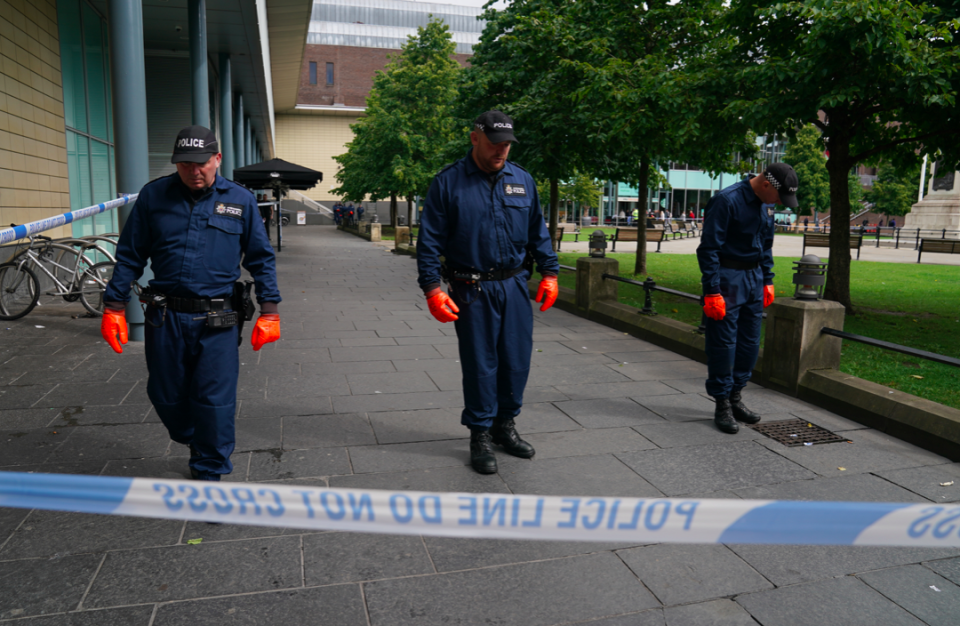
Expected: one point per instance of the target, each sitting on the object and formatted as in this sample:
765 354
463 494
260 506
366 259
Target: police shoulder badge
514 190
229 210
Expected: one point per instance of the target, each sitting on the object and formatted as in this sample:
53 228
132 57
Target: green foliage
580 188
882 72
399 146
895 190
856 191
805 154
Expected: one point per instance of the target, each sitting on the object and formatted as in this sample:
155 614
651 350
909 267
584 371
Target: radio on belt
220 319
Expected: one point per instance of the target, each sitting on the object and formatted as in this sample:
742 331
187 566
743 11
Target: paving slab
790 565
853 488
948 568
681 574
259 434
930 597
587 442
412 426
101 415
338 605
679 407
828 420
28 419
331 558
663 371
372 403
407 456
939 483
174 467
280 407
307 385
870 451
598 475
83 394
617 390
453 554
837 602
124 616
688 469
531 594
279 465
713 613
605 345
608 412
652 617
326 431
459 479
557 374
12 397
694 433
105 443
183 572
49 534
40 586
543 417
390 383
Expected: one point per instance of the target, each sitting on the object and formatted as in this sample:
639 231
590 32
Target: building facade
347 43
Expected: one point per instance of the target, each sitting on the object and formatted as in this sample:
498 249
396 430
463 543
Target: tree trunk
640 266
393 210
554 210
410 212
838 166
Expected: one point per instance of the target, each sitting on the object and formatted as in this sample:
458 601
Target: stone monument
940 207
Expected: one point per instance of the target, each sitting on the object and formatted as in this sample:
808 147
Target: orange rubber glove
441 306
714 306
767 295
550 289
266 331
113 325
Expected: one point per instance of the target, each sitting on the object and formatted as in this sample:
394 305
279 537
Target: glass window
329 73
85 65
313 72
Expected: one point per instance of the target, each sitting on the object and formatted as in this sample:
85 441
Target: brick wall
33 153
353 71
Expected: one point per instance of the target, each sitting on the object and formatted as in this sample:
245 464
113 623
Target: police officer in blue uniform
482 214
736 261
194 227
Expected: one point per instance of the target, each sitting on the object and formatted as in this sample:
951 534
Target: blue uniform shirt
739 227
482 227
194 246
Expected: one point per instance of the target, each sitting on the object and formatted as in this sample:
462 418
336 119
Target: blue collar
471 166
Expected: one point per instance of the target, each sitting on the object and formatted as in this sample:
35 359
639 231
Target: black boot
482 458
723 417
742 413
505 435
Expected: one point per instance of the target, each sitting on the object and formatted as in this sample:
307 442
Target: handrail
23 230
568 268
310 202
895 347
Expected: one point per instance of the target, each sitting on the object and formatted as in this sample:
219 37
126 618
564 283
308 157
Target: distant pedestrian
893 223
806 223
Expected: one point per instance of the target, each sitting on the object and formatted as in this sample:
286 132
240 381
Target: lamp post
810 274
598 244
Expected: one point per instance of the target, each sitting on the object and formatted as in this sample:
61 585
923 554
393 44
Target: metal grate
797 432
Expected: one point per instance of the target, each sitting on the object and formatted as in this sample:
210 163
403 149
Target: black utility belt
739 265
217 312
471 276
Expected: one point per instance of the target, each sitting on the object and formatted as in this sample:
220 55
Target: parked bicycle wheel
19 291
92 285
67 265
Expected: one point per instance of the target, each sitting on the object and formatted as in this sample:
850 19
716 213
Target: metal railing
894 347
649 286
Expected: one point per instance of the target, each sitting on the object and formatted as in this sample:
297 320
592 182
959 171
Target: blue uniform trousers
193 385
732 344
495 332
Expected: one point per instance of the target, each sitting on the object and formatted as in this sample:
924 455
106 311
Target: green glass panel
96 77
109 78
73 170
85 191
71 64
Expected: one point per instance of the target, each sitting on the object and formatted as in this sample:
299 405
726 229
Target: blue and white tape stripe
19 232
654 520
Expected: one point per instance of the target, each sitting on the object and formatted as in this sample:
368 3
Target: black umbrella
277 173
280 176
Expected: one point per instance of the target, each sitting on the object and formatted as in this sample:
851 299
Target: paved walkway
364 391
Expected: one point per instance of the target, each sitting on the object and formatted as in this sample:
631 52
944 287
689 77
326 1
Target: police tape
19 232
493 515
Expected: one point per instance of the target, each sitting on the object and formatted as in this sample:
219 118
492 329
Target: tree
399 146
805 154
882 73
580 188
895 191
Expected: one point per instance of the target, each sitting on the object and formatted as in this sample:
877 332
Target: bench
559 237
943 246
691 229
822 240
670 229
632 234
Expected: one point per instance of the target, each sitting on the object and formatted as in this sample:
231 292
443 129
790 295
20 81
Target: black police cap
195 144
496 126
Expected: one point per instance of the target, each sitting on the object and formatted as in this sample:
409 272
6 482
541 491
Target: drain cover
797 432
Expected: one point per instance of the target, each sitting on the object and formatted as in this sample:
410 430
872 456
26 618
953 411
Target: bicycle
73 277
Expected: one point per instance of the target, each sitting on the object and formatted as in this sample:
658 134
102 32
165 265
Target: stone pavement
364 391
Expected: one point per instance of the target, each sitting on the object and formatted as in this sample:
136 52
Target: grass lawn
909 304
